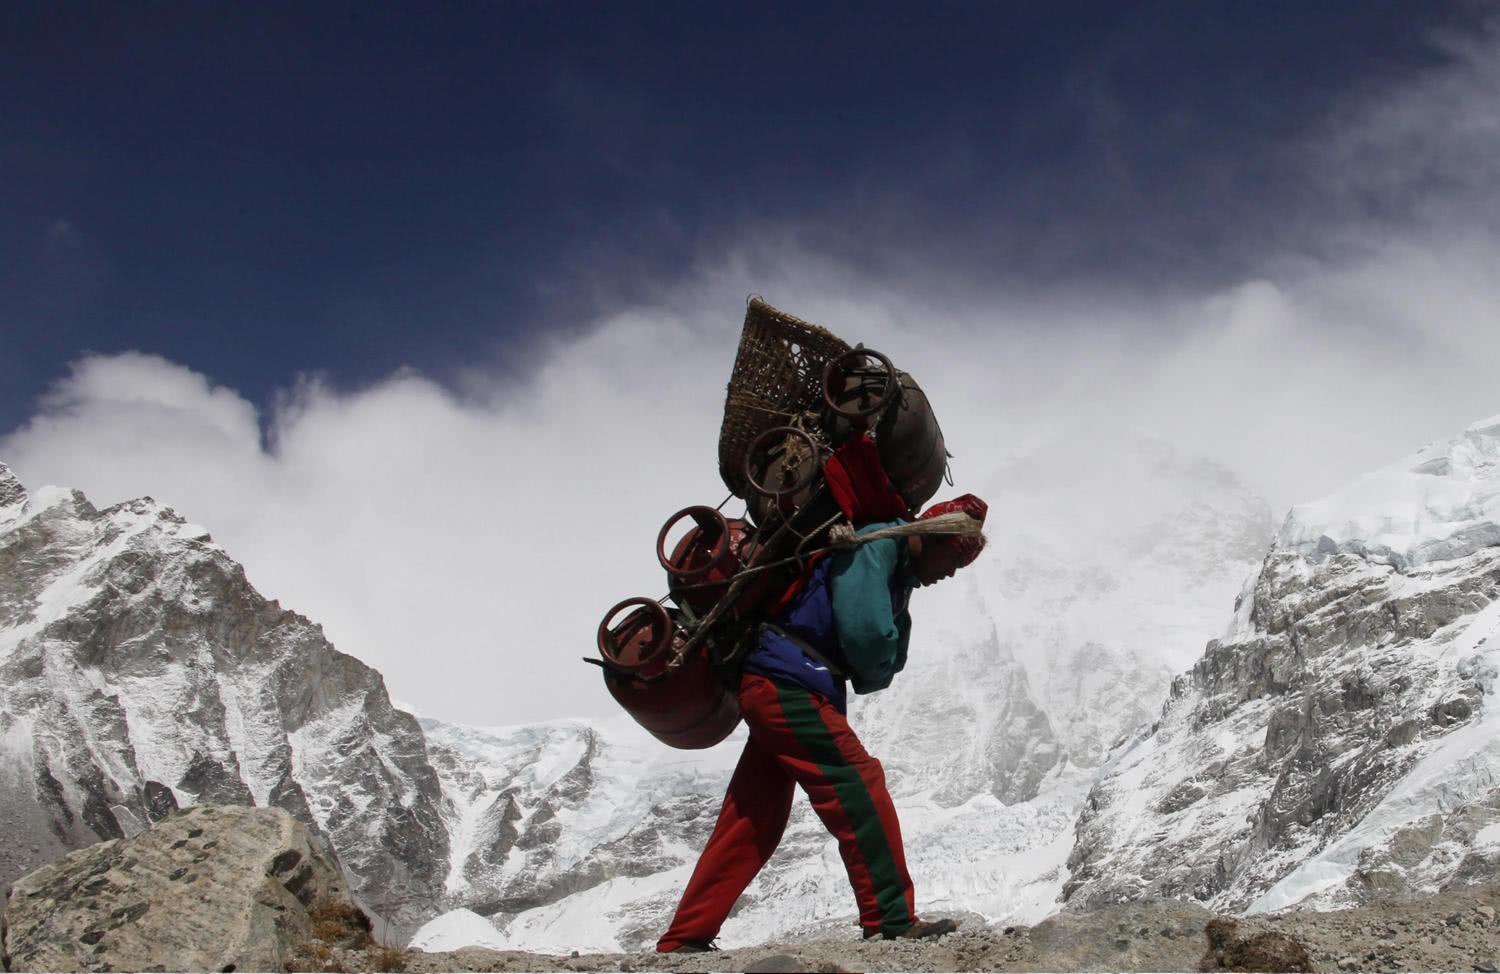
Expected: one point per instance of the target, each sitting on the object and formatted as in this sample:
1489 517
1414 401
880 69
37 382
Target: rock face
206 889
141 673
1335 747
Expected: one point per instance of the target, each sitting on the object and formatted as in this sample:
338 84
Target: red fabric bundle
859 484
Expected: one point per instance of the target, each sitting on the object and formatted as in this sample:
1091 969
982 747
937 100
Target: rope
954 522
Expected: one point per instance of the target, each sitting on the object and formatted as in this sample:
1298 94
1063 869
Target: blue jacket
850 620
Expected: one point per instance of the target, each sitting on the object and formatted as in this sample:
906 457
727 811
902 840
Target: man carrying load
846 622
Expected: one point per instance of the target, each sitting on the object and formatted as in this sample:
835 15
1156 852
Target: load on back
809 425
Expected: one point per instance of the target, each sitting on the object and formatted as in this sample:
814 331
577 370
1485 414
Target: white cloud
467 542
466 549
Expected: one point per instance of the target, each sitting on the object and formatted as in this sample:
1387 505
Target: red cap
968 546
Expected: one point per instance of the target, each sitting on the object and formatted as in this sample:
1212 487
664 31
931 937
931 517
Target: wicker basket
778 376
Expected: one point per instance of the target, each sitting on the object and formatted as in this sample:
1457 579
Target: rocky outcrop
205 889
140 672
1334 748
12 493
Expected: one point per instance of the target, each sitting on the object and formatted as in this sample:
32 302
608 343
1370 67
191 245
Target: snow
1440 504
574 923
631 772
454 930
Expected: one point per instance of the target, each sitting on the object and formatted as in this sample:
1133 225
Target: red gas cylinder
689 707
705 559
865 392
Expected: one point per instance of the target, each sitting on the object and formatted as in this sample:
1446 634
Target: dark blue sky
257 190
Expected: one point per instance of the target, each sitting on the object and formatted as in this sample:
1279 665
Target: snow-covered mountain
1061 736
140 672
579 834
1338 744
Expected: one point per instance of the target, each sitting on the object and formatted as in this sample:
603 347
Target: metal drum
689 707
784 470
707 559
704 560
865 392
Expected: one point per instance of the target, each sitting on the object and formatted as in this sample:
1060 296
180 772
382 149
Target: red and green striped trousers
798 738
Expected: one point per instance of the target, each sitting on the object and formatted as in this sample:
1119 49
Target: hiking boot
920 930
692 947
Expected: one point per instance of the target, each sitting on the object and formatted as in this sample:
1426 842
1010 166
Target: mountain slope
140 672
1336 746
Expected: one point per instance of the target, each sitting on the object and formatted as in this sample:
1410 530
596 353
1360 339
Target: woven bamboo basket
777 377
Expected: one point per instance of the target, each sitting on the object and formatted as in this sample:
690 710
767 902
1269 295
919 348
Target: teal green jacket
870 587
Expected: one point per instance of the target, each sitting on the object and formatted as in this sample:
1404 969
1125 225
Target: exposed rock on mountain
140 672
1337 746
549 820
206 889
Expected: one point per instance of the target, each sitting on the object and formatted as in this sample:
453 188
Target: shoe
692 947
919 930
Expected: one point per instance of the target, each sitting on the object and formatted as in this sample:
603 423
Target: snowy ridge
1334 747
1462 771
1441 504
12 495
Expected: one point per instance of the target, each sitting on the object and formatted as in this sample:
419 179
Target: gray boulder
206 889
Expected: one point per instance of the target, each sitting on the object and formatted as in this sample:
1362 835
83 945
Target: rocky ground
231 888
1454 931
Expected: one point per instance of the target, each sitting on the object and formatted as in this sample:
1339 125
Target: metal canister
704 561
784 470
911 445
863 392
686 707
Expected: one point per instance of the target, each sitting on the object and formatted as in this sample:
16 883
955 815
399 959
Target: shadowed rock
207 889
1231 950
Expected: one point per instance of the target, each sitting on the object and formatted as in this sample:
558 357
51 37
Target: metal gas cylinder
864 392
705 559
784 471
687 707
